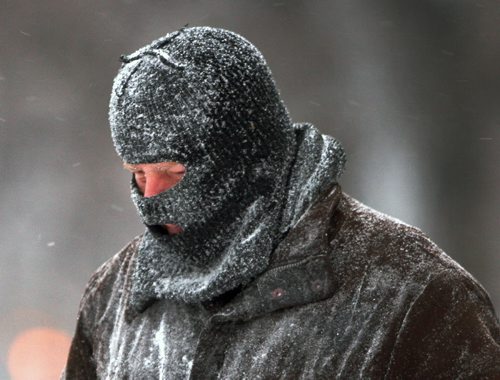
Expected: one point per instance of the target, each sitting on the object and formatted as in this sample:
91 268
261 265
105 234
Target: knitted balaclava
204 97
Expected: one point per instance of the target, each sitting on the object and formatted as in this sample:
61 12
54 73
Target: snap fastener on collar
277 293
317 285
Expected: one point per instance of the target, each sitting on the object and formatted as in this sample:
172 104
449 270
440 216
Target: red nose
156 183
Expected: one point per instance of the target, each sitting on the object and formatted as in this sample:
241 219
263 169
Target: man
254 264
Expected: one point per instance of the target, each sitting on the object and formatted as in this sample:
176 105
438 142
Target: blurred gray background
411 89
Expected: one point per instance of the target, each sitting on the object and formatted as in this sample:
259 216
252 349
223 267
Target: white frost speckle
159 340
188 363
51 243
252 235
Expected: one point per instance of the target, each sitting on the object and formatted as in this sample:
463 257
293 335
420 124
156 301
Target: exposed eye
140 177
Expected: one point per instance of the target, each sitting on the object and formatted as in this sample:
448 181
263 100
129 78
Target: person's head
204 98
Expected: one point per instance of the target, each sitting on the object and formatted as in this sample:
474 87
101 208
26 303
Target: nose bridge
155 184
158 182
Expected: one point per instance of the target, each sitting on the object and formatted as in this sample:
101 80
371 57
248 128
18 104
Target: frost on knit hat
195 94
205 97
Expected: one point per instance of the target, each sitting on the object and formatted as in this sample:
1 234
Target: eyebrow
132 167
129 167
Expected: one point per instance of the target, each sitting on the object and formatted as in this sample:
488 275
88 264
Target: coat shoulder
382 260
371 242
107 281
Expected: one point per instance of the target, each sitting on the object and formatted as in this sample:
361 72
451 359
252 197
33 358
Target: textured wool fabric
205 97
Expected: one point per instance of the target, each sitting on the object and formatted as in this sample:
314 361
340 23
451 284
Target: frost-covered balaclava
204 97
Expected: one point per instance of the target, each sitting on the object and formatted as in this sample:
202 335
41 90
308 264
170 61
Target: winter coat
350 294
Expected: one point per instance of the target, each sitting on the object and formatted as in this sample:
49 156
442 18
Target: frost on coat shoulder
350 293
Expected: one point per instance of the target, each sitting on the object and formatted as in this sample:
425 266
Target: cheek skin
140 182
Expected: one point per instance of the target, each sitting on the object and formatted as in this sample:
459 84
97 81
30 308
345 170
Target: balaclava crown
205 97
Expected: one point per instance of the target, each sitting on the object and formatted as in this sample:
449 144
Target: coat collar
300 270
